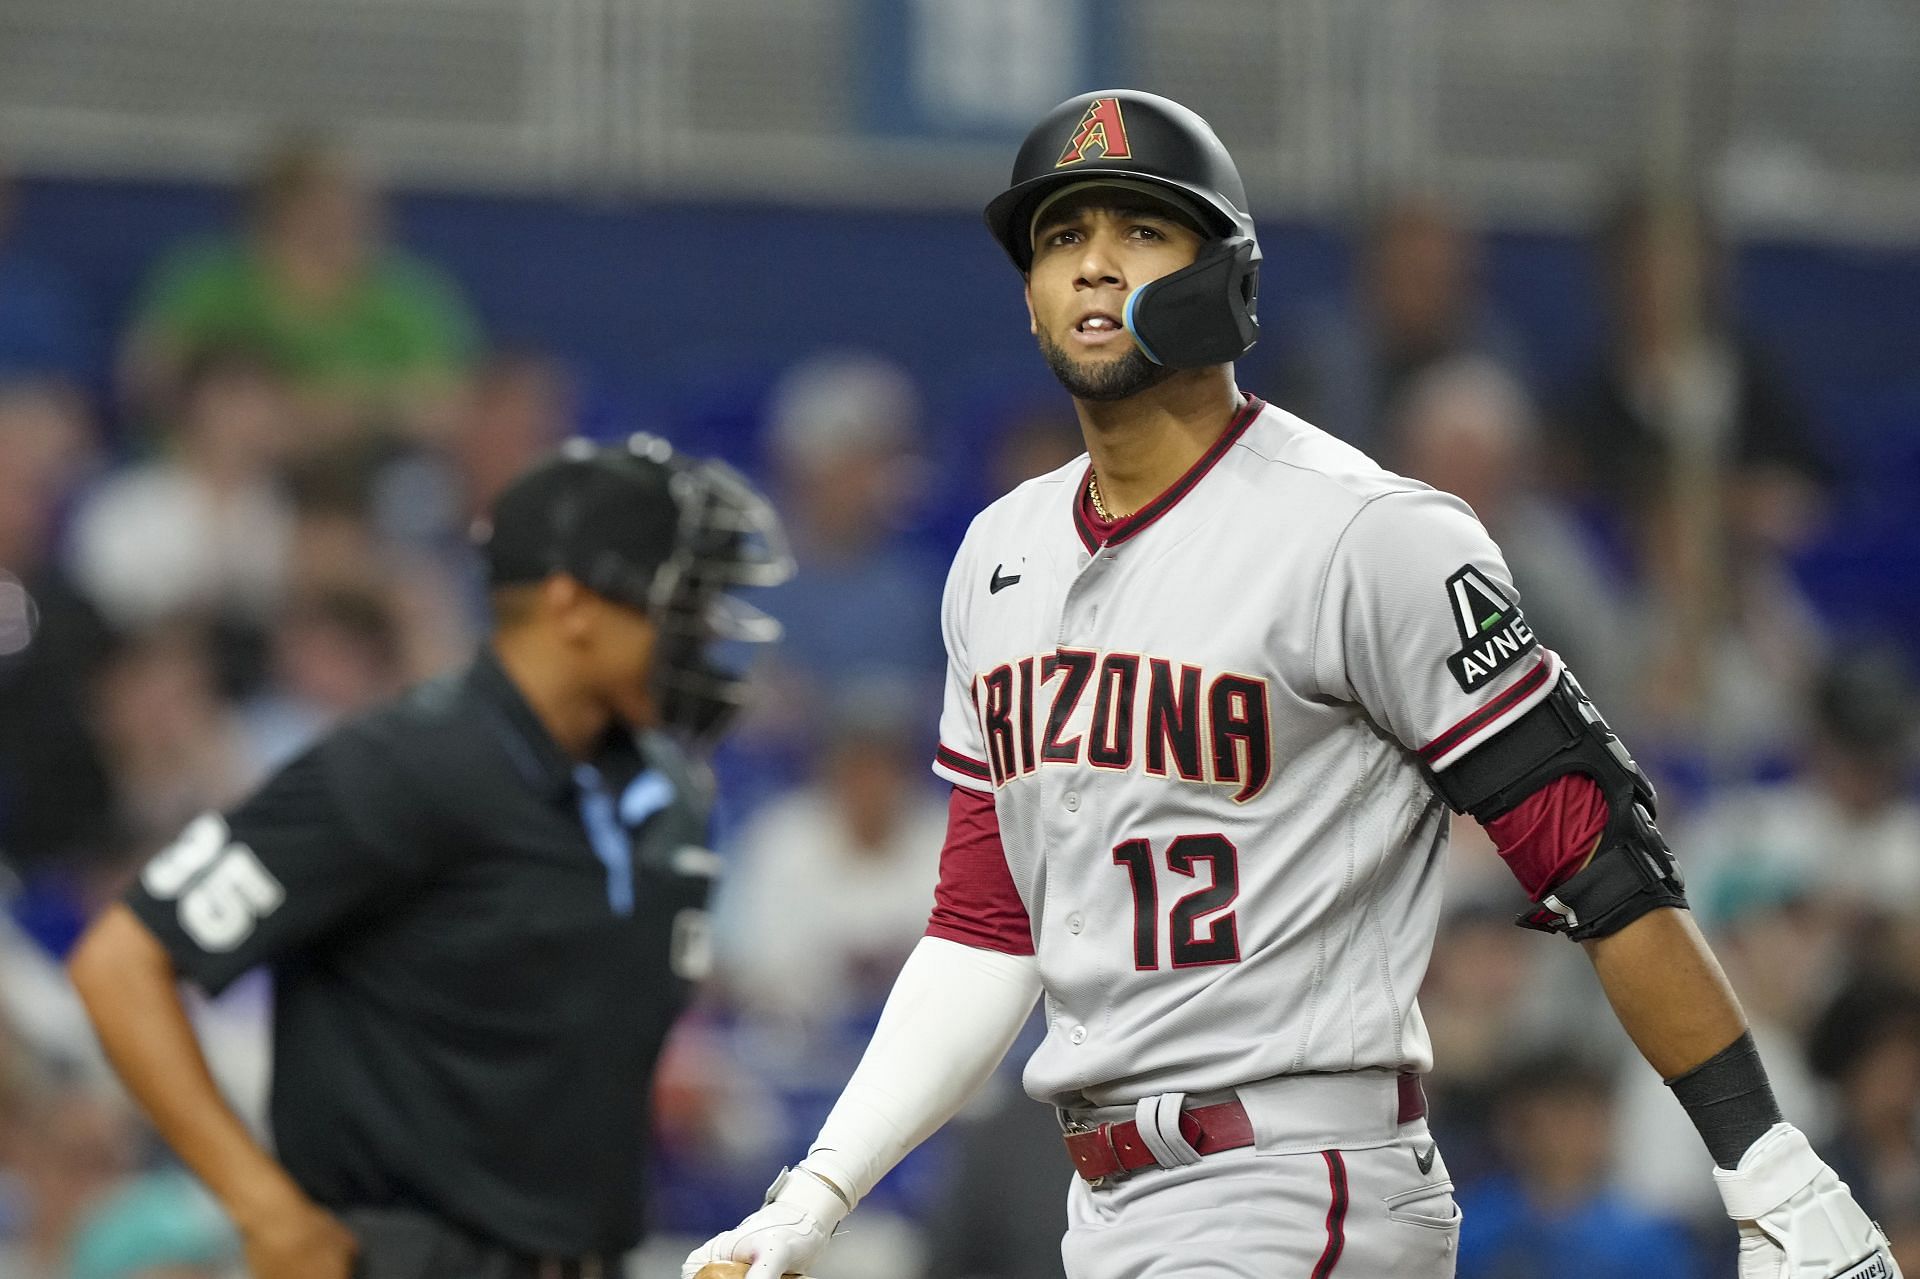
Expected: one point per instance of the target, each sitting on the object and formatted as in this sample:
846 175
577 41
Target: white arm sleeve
953 1013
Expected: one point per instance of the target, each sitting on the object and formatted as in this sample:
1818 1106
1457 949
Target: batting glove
785 1236
1797 1218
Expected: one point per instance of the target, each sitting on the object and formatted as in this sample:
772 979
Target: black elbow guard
1632 871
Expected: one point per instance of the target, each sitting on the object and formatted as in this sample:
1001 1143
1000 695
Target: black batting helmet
659 531
1203 314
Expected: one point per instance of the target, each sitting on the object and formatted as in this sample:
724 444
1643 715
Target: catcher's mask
670 535
1206 313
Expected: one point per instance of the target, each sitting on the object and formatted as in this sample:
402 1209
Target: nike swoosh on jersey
997 583
1425 1159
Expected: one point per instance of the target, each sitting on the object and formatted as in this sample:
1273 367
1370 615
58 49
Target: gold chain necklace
1093 494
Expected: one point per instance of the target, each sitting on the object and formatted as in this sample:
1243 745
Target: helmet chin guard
1202 314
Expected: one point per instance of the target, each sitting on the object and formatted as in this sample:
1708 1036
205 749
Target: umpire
483 904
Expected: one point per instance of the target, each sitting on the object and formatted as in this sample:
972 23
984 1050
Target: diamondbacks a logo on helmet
1102 126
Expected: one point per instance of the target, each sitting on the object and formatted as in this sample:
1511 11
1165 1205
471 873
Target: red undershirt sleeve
976 903
1550 835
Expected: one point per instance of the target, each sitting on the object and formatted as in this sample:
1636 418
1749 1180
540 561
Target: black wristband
1729 1100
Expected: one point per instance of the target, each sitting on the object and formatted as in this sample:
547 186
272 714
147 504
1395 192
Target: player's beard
1117 379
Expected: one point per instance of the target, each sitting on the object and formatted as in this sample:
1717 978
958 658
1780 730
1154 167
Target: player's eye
1142 231
1064 236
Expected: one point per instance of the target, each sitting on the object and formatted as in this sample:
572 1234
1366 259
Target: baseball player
1212 690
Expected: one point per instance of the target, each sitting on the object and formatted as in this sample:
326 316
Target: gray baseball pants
1379 1206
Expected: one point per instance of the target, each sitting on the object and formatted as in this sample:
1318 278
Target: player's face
1088 255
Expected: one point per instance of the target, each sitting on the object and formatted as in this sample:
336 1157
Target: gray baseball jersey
1203 740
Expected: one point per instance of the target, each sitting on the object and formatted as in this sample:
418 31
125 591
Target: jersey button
1072 800
1079 1035
1073 924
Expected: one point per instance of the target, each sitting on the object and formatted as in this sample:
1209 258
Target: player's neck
573 716
1142 444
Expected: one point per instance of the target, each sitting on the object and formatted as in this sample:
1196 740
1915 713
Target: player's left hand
1797 1218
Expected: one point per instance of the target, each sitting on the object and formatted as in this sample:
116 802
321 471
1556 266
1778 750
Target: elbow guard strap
1631 871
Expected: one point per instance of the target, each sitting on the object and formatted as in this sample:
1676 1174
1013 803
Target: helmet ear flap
1203 314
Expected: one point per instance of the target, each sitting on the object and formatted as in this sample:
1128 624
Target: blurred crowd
250 517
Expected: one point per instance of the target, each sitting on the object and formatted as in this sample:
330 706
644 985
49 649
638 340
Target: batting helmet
1203 314
658 531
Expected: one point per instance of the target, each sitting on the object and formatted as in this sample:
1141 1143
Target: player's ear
1033 325
569 604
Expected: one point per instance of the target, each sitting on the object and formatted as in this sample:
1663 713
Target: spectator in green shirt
369 337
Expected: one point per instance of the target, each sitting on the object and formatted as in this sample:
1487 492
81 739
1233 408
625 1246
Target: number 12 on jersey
1221 942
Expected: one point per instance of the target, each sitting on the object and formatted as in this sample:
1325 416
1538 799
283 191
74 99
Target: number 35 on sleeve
222 889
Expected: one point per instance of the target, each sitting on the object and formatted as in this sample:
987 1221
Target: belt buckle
1074 1128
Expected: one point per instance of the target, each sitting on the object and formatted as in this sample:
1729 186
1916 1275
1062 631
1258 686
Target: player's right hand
780 1239
784 1237
1797 1218
299 1241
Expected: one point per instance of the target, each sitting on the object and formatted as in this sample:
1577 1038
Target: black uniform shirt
466 1023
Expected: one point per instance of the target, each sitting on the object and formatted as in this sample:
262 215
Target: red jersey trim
1133 524
963 764
1478 721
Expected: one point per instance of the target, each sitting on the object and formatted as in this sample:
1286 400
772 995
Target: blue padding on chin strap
1126 318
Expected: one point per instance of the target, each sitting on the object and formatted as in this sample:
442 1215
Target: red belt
1112 1150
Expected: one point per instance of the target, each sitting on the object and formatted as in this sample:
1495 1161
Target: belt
1114 1150
393 1239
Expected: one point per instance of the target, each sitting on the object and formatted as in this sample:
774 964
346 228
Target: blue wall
680 314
